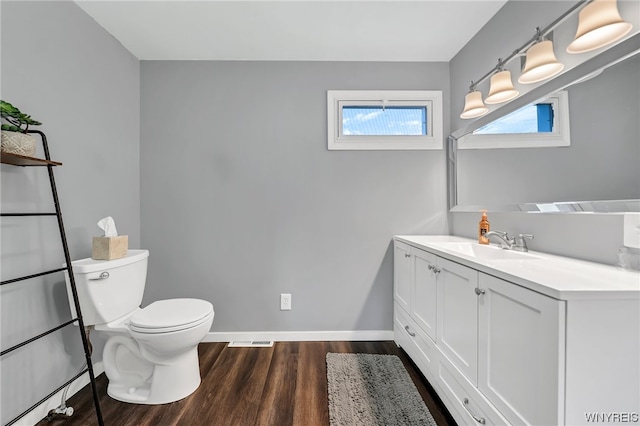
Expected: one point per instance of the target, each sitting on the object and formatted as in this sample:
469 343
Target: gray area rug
372 390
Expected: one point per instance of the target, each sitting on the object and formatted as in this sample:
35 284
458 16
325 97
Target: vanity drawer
465 402
415 342
400 334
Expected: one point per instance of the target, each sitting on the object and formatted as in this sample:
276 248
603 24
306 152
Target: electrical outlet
285 302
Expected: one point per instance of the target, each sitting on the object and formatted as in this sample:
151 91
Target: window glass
379 120
534 118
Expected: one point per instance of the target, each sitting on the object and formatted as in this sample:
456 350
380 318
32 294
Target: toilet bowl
151 355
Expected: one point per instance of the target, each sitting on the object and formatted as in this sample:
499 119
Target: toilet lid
171 315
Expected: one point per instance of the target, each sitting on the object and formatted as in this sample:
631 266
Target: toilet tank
108 289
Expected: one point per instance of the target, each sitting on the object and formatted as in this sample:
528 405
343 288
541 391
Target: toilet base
169 382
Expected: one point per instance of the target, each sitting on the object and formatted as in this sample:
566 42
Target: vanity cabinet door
402 275
457 316
521 352
424 298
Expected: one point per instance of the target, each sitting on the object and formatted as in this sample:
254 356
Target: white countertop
555 276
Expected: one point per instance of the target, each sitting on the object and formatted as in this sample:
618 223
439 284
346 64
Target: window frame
559 137
431 99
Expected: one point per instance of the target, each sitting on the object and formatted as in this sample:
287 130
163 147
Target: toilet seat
165 316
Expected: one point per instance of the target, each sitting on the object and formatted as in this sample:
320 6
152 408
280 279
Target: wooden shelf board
21 160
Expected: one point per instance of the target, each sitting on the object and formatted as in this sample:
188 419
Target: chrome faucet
505 241
521 244
518 243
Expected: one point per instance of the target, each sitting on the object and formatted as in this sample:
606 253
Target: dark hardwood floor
282 385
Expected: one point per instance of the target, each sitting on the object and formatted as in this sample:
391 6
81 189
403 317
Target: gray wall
59 66
595 237
241 200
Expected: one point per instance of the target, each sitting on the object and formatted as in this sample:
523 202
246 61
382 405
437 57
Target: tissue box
109 248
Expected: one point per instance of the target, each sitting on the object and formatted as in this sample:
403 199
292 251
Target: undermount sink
480 251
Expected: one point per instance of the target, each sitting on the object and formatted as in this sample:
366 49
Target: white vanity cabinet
402 275
520 356
415 305
423 306
497 350
457 319
415 286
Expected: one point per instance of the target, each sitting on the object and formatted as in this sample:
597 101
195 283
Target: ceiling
296 30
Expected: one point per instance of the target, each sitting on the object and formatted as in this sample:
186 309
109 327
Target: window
384 120
540 124
533 118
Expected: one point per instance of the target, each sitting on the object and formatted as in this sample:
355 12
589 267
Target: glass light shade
599 24
541 63
473 105
501 89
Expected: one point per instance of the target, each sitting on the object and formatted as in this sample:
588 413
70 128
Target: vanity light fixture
501 89
599 24
541 62
473 105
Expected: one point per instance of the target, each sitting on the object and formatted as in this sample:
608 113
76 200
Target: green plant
16 118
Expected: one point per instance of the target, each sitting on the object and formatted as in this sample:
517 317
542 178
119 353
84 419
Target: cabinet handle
480 420
407 255
479 291
406 327
434 269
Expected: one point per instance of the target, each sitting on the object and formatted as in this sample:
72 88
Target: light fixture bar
539 33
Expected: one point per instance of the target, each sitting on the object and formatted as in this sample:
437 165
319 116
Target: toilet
151 354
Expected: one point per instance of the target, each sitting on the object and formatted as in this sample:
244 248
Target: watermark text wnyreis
612 417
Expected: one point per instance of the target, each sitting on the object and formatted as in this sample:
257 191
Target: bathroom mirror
598 172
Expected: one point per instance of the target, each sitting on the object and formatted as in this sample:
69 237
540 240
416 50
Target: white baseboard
301 336
41 411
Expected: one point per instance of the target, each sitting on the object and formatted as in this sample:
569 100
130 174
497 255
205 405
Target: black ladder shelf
19 160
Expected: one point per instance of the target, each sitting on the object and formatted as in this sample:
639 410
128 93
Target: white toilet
151 355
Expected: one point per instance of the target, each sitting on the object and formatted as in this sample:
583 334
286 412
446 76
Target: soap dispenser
483 228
